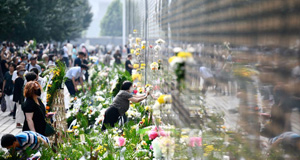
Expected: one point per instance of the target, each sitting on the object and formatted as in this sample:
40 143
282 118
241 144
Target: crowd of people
21 78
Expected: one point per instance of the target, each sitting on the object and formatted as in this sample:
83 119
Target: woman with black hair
120 105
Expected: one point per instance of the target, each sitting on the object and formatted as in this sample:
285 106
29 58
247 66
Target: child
18 97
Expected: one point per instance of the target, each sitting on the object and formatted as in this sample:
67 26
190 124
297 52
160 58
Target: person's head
19 67
12 67
35 70
23 64
118 51
125 46
21 72
68 41
108 52
33 60
15 60
32 89
129 57
31 76
84 68
9 141
81 55
127 86
45 57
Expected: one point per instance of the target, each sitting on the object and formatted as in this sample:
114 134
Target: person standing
117 57
18 97
78 60
73 74
74 53
66 55
33 64
127 49
8 88
128 65
107 58
70 51
34 109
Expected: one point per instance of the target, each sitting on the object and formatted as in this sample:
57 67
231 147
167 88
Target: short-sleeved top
127 68
18 90
288 140
74 72
117 57
107 59
38 118
9 86
30 66
77 61
121 101
65 49
29 139
15 75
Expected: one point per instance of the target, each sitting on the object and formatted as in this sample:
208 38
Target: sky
98 9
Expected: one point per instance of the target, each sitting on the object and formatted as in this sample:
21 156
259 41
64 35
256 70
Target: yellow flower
49 85
143 65
143 120
105 145
138 40
137 53
134 31
136 76
138 50
74 127
161 99
99 148
147 108
48 96
185 54
143 47
171 59
132 51
136 65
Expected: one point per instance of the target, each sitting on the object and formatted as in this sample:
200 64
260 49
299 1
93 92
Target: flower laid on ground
137 53
143 44
134 31
136 65
177 49
143 65
132 51
164 99
120 141
195 141
154 66
208 149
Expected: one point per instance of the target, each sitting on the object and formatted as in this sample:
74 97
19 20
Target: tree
111 24
12 13
48 20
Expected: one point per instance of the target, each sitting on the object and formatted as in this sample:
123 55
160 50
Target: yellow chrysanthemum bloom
48 96
132 51
49 85
137 53
74 127
161 99
138 40
185 54
171 59
143 47
136 76
136 65
143 65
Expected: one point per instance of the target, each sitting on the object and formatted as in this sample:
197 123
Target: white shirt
28 68
74 72
205 72
70 48
65 48
14 76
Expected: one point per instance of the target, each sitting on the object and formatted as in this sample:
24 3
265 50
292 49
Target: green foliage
44 20
122 77
111 24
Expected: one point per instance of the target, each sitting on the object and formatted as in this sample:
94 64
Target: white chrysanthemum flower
176 60
177 49
160 41
157 48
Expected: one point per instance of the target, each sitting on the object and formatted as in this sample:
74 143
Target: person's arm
43 142
138 99
130 66
138 96
276 143
4 82
29 120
